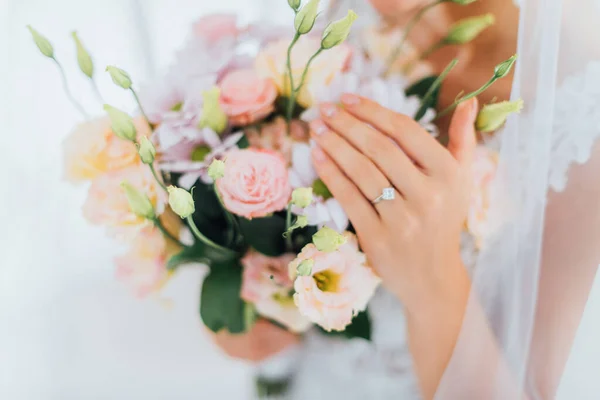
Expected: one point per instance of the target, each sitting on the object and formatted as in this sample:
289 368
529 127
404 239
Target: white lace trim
576 123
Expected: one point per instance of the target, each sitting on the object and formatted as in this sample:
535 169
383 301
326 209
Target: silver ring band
388 193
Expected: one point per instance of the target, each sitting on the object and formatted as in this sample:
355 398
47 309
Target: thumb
462 137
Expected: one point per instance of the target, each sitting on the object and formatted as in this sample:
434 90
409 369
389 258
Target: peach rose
340 284
215 27
274 136
255 183
107 205
93 149
266 284
271 63
245 97
143 267
485 165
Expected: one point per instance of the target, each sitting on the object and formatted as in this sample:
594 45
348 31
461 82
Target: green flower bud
121 123
336 32
468 29
213 116
301 222
146 151
86 65
463 2
42 43
305 268
493 116
302 197
181 201
504 68
306 17
328 240
216 169
139 203
119 77
295 4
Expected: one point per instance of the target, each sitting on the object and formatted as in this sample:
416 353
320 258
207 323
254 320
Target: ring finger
365 175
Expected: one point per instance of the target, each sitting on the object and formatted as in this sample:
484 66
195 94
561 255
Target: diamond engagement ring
388 193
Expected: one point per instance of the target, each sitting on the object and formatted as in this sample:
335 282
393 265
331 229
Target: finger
416 142
360 211
383 152
462 132
356 166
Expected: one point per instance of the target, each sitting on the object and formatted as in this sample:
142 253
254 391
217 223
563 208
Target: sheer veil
534 274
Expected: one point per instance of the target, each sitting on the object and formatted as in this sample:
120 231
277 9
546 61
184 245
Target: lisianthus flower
267 285
274 136
324 210
192 158
107 204
92 149
339 286
215 27
143 267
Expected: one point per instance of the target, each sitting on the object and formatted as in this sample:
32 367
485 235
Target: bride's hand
261 342
413 241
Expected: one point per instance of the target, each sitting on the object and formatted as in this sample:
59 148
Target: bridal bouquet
214 166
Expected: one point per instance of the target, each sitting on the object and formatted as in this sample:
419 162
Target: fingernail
350 99
328 109
318 127
318 154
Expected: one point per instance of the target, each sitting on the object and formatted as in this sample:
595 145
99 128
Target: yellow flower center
200 153
177 107
327 281
283 299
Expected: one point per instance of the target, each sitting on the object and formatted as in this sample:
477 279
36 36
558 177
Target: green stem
288 223
97 92
434 86
409 27
162 185
165 232
292 99
203 238
68 91
231 221
465 98
305 72
137 100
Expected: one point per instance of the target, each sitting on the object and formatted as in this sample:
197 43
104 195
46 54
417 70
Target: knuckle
376 146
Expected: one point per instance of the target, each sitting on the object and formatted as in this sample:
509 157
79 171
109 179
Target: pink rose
215 27
255 183
143 267
267 285
340 284
274 136
107 205
485 165
246 98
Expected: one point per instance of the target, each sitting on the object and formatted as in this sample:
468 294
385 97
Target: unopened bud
181 201
119 77
216 170
493 116
42 43
305 268
468 29
213 116
336 32
86 65
294 4
121 123
504 68
146 151
302 197
328 240
306 17
139 203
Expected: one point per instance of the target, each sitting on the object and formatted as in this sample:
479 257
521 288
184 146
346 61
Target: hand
261 342
413 241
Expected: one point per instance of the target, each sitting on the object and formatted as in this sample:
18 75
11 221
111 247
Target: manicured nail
318 127
328 109
318 154
350 99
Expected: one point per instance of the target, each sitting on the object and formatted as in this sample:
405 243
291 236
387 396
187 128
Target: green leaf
419 89
265 235
359 328
220 304
243 143
202 253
